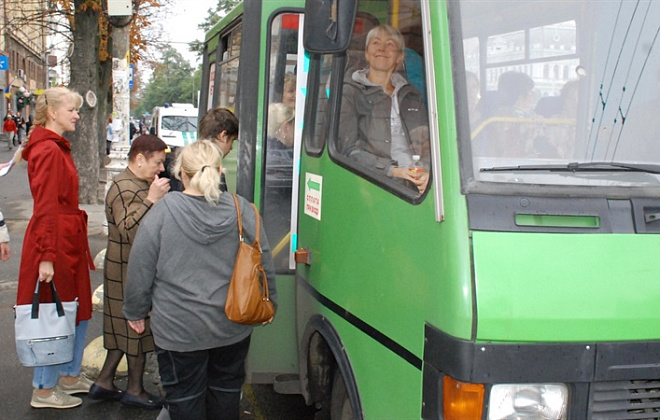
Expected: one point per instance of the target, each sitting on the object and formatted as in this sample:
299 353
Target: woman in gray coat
179 271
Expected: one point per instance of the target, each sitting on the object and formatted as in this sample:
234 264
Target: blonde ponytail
201 162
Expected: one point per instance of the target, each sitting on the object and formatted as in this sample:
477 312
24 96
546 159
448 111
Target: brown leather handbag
248 301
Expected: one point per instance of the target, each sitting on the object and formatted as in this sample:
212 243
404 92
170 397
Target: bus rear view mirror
328 25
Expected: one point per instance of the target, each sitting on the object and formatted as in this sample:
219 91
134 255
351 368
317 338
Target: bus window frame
311 106
223 46
385 183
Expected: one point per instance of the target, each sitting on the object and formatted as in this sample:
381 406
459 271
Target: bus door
367 203
280 134
263 89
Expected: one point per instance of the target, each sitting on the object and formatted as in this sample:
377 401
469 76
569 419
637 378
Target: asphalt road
259 401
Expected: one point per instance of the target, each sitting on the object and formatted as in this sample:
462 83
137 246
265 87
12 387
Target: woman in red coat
55 247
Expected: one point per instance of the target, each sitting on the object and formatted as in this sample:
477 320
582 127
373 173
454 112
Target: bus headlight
528 401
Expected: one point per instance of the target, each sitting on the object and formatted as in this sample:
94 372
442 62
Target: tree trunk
85 78
104 105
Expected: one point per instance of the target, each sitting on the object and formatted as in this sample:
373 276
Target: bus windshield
180 123
566 95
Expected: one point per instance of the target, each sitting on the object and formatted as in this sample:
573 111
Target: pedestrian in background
28 125
55 247
109 137
4 231
130 196
9 128
20 129
4 239
179 271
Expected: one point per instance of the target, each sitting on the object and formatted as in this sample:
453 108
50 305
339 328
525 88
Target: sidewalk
96 223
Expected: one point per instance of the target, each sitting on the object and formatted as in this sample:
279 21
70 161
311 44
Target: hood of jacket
199 220
361 77
40 135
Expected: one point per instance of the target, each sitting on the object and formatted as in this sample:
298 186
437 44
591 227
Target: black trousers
204 384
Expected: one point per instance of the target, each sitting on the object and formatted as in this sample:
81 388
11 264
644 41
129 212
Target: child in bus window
383 121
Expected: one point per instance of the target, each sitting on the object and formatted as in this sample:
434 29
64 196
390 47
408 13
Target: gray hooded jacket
179 270
365 121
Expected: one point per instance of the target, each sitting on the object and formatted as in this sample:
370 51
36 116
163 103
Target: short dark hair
216 121
512 85
146 144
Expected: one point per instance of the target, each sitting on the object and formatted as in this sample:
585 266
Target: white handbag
45 332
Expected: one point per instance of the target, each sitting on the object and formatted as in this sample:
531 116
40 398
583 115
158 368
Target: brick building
23 37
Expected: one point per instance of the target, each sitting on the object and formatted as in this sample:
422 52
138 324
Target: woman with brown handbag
179 270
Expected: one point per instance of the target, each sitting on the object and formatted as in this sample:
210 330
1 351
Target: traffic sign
4 62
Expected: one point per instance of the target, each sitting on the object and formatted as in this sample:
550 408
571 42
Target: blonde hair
289 79
201 161
278 114
51 98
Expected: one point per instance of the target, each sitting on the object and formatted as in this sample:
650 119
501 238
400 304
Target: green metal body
381 268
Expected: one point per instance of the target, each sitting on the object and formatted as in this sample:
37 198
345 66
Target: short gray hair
391 31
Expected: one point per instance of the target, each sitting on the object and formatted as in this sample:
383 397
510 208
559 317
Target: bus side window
317 128
383 122
228 71
279 135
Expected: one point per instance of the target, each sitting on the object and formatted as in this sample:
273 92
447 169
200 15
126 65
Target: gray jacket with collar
179 270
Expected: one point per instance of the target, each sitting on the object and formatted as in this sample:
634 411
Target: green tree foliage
171 82
213 16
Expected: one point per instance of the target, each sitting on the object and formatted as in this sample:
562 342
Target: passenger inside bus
280 131
383 121
279 174
289 90
562 129
507 133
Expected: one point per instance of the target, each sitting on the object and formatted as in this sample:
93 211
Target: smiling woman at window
383 119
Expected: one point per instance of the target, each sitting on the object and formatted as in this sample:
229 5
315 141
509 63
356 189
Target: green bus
519 282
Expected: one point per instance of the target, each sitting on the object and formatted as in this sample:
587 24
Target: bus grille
625 400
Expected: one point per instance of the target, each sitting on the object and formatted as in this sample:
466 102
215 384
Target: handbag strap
56 299
258 223
238 214
240 223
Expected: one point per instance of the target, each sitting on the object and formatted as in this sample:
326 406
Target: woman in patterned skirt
130 196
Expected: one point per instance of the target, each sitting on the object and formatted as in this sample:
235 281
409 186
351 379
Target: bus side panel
386 267
533 287
389 387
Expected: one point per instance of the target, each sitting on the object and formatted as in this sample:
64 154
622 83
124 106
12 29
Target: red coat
58 228
9 125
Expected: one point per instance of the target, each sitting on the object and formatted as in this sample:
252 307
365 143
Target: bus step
287 383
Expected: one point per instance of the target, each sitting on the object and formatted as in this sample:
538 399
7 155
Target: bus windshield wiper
580 167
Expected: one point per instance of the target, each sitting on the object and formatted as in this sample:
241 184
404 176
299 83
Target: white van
175 124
